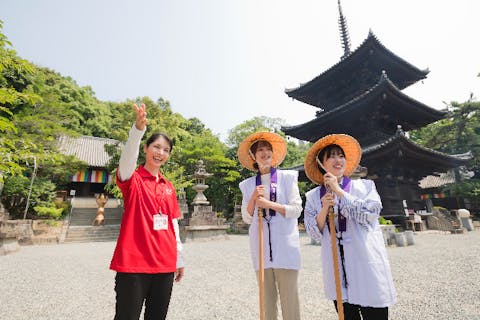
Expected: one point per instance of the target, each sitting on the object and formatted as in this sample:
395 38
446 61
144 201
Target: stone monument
204 223
238 225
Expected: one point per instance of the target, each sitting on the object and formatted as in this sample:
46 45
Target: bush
64 205
48 212
384 221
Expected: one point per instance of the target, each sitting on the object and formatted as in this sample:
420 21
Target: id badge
160 222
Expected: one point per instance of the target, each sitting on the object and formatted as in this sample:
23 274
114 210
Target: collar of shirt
145 174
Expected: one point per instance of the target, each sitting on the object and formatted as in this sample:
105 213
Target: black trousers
356 312
133 289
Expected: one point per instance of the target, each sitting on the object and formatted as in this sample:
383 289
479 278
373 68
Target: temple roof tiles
87 148
442 179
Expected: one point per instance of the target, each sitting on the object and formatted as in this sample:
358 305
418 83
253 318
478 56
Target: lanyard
273 197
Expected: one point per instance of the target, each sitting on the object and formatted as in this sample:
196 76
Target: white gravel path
437 278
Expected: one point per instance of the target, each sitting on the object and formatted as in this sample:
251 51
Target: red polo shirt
140 248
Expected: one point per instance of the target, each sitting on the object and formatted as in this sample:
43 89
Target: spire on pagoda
342 22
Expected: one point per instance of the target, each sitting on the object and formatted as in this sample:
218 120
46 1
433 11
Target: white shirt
367 269
284 233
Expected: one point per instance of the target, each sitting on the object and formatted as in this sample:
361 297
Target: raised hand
141 120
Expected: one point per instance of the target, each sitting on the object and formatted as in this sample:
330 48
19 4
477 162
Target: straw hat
279 148
350 146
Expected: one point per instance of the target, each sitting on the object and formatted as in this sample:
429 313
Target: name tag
160 222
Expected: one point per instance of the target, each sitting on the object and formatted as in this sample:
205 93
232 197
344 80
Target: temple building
92 180
362 96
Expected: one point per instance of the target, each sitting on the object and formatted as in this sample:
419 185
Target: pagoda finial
342 22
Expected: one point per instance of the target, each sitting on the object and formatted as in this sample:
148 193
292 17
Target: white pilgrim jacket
367 268
284 233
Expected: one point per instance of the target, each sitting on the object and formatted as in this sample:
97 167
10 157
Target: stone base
240 227
8 245
203 233
388 231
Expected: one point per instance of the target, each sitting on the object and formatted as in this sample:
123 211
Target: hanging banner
440 195
90 175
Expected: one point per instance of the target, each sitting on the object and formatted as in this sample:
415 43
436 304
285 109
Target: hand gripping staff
261 274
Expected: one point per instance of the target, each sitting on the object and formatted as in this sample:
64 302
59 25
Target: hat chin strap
264 167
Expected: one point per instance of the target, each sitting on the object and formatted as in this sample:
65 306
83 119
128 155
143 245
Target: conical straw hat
279 148
350 146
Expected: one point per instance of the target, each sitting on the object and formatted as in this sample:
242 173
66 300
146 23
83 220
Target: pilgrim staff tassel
261 274
336 272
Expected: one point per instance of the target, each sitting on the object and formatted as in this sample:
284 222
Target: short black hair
260 143
157 135
256 145
327 151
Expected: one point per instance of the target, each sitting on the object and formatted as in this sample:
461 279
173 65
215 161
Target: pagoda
362 96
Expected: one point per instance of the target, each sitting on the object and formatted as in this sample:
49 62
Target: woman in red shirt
147 256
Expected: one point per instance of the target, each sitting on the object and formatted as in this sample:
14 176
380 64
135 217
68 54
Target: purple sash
273 187
342 221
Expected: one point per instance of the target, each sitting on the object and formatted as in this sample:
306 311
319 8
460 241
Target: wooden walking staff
261 274
333 240
336 272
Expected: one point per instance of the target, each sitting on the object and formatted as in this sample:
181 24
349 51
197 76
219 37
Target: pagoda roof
369 117
399 151
354 74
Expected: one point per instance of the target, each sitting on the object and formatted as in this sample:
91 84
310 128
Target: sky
227 61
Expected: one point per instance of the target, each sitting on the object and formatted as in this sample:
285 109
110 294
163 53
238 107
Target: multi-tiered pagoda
361 96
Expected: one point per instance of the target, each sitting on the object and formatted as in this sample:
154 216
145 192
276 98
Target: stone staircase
80 227
92 234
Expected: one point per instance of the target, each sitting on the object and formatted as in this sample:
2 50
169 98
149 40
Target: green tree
16 93
458 133
30 121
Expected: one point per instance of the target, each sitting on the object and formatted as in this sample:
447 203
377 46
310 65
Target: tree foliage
456 134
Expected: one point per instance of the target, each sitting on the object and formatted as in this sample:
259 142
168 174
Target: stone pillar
464 216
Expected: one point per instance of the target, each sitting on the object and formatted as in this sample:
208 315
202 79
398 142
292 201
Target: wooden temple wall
393 191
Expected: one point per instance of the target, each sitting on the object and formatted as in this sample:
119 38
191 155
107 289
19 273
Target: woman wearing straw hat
276 191
366 282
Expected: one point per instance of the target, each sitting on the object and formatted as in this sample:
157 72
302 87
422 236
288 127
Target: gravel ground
437 278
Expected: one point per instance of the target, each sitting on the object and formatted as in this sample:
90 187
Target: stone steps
92 233
85 216
80 227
